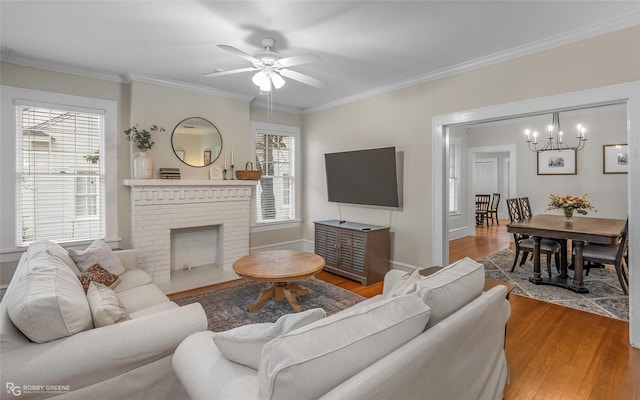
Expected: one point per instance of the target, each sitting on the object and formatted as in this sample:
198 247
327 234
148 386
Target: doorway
628 94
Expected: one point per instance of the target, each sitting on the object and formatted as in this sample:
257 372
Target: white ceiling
366 47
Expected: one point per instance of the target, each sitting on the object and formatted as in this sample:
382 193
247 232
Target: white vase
142 166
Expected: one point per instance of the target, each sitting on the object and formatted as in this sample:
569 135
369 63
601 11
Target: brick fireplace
159 207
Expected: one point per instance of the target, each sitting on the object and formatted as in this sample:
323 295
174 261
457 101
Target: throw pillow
106 307
244 344
98 253
47 301
405 285
96 273
451 288
318 357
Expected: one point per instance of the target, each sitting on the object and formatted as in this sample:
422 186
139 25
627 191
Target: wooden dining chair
493 209
615 254
526 244
482 208
525 207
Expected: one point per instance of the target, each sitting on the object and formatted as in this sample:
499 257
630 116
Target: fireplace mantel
188 182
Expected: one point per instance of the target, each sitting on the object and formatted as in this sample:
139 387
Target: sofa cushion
98 253
160 307
106 307
96 273
142 297
244 344
53 250
133 278
48 301
317 357
451 288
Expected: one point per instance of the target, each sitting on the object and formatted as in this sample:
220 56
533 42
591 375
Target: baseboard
461 232
292 245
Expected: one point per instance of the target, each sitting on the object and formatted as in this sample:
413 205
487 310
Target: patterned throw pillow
98 274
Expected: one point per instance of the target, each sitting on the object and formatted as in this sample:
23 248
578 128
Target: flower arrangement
568 204
142 137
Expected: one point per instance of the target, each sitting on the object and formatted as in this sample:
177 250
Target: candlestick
225 161
231 157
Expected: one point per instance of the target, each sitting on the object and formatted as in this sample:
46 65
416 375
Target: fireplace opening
196 247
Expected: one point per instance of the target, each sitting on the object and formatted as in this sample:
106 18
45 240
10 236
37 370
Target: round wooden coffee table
283 268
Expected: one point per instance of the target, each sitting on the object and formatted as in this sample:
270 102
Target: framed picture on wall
207 157
557 162
615 159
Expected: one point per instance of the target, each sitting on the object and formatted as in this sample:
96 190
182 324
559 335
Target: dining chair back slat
525 207
493 209
482 208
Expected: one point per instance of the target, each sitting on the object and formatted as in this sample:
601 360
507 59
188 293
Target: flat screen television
363 177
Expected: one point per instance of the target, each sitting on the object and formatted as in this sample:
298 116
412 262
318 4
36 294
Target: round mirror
196 142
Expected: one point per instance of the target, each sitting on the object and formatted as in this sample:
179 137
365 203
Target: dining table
579 230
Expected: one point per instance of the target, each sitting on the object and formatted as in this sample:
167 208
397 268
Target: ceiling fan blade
241 53
231 71
299 60
306 79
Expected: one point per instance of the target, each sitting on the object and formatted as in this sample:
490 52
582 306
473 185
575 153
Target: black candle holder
232 176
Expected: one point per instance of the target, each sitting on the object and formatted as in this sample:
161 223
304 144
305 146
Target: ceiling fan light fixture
266 85
260 78
277 80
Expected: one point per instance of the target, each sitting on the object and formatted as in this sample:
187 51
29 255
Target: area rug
605 296
226 308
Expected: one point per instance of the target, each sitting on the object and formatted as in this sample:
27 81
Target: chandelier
555 137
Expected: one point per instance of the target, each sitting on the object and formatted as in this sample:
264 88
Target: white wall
403 118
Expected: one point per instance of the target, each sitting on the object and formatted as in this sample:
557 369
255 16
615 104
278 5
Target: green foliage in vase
142 137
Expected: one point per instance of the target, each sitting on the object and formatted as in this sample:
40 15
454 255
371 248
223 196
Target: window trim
287 130
455 141
11 96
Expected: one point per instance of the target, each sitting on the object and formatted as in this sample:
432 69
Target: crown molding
65 69
187 86
611 25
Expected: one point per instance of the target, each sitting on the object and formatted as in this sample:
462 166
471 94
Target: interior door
485 179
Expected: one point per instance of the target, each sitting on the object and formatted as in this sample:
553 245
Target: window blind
275 192
60 177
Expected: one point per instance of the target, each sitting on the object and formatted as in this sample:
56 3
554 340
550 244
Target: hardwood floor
554 352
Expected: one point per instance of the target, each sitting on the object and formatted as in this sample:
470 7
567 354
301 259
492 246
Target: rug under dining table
605 295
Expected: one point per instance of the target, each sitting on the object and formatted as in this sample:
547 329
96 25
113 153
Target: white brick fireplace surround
159 206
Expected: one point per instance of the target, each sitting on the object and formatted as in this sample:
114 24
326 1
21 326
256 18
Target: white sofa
125 360
435 337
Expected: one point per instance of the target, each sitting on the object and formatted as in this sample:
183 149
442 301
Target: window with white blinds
60 181
276 191
454 175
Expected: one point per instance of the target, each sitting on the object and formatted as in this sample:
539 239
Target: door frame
627 93
473 156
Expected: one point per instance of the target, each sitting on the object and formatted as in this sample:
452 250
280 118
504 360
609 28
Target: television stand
356 251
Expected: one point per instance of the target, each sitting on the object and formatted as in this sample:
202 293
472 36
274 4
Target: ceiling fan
271 67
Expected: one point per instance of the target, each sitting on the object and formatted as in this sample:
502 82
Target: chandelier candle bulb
555 139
